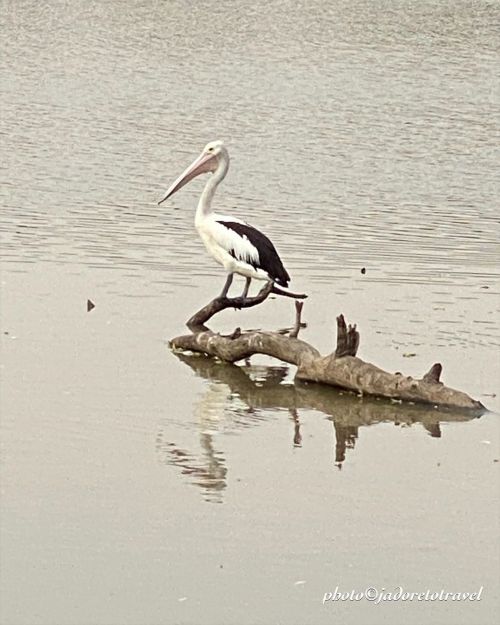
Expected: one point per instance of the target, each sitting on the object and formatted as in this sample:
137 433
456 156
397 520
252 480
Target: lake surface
142 487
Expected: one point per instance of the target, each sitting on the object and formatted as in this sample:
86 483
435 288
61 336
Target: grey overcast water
140 487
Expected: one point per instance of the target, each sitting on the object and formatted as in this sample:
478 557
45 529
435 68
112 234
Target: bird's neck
205 203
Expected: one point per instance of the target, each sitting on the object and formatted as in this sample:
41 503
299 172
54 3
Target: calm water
144 488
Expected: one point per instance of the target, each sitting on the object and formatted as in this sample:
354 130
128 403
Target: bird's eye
210 149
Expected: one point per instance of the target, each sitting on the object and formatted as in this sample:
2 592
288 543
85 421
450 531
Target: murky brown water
140 487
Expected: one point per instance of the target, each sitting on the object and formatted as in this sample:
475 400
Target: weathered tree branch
342 368
197 322
347 339
298 320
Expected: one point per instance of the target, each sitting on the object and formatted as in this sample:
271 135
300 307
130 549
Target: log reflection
240 396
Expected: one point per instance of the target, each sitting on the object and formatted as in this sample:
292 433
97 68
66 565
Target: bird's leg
227 285
247 286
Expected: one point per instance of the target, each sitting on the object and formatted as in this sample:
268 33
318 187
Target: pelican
237 246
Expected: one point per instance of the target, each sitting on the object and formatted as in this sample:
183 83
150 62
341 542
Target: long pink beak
202 165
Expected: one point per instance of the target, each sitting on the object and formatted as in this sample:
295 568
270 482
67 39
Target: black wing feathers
268 256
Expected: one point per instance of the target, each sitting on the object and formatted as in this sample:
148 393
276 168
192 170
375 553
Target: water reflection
239 397
207 471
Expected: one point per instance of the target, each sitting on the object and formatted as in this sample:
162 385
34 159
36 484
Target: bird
236 245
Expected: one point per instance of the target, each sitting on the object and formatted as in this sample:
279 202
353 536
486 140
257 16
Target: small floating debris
363 270
299 582
486 442
409 355
181 599
90 305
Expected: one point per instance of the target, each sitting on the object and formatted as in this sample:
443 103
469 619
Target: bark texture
341 369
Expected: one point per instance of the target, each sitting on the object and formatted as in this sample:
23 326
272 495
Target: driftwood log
341 369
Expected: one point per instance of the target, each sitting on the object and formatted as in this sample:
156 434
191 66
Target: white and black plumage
237 246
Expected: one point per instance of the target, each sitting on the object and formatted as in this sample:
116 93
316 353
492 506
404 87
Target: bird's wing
248 244
224 232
